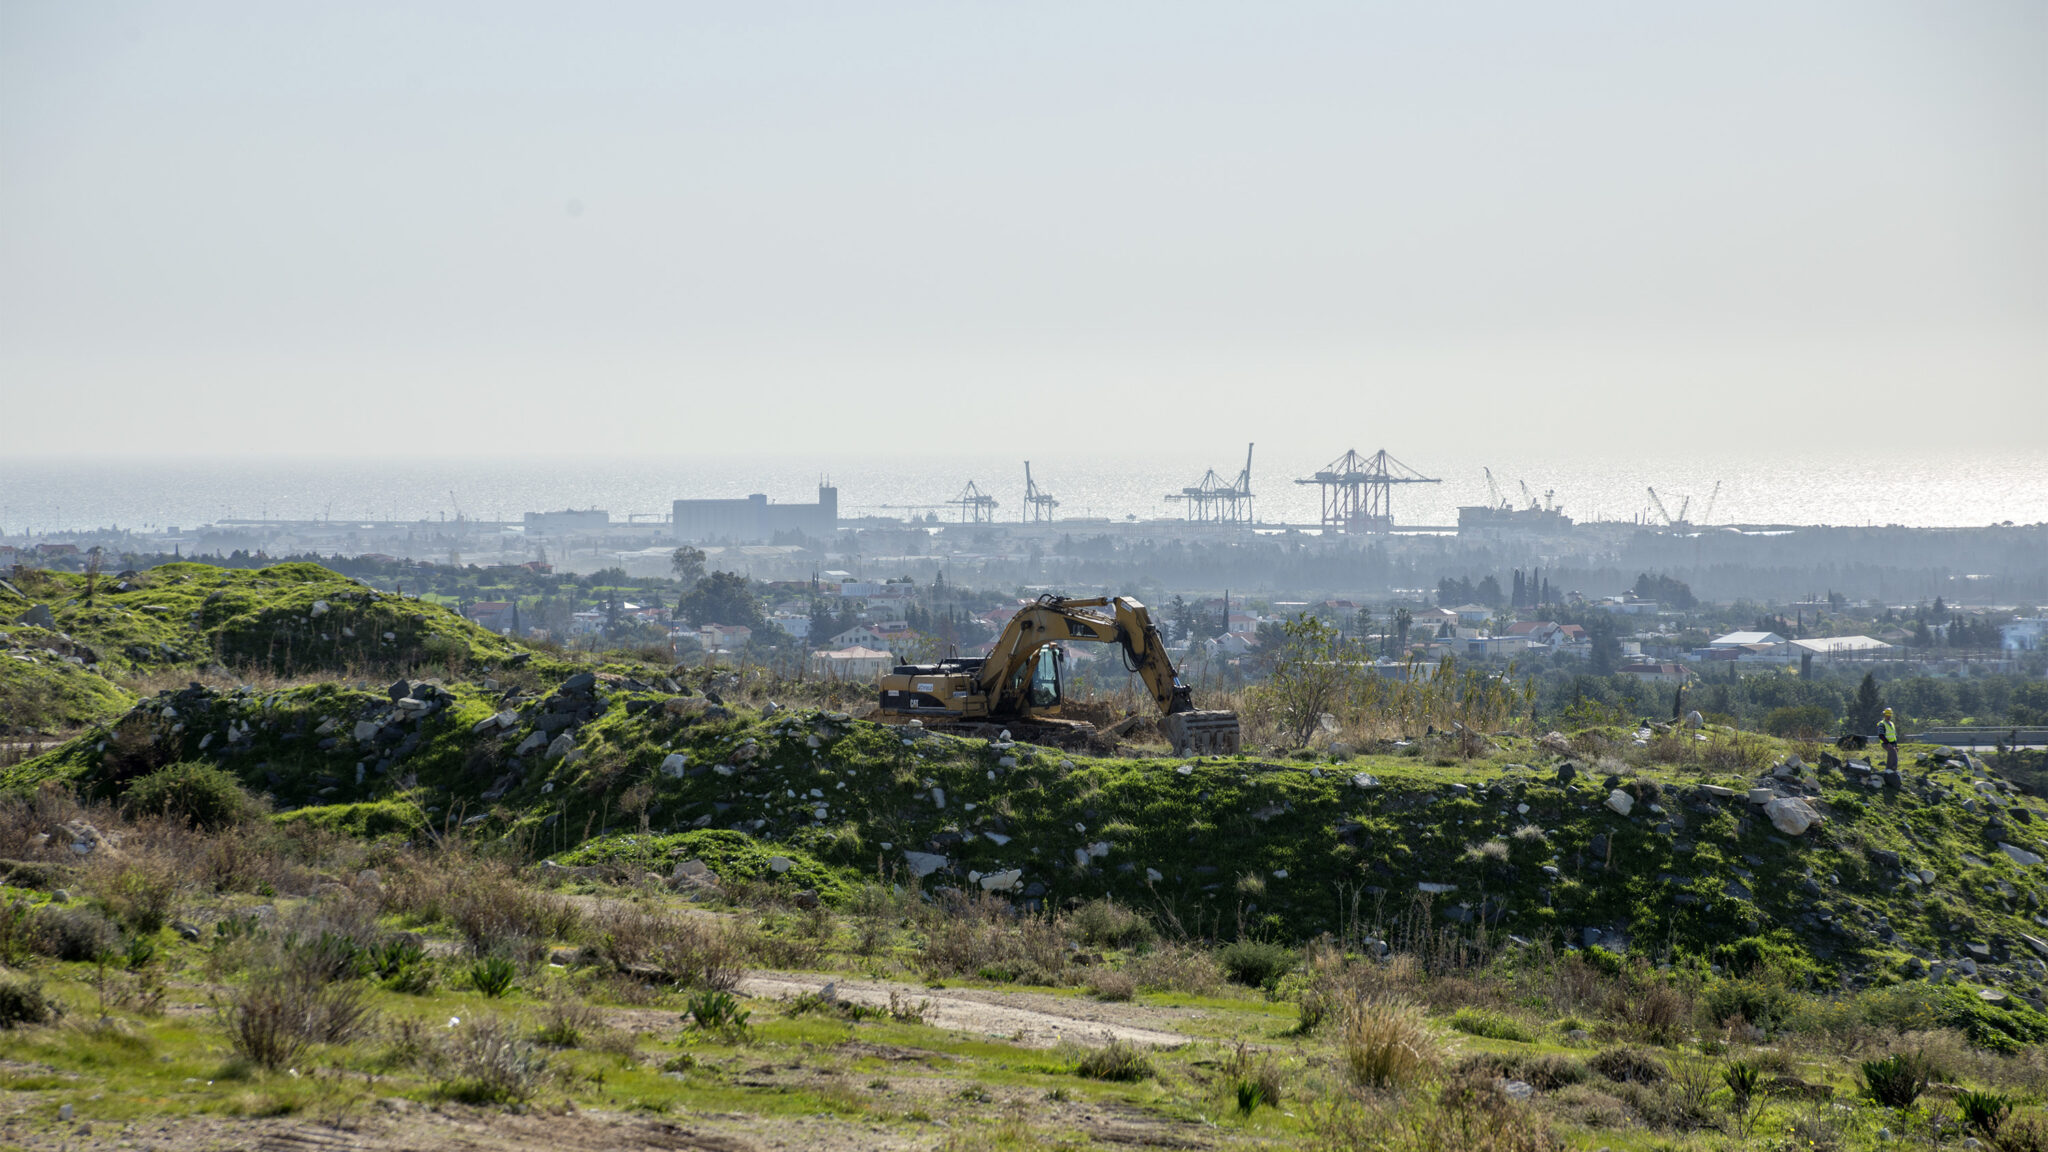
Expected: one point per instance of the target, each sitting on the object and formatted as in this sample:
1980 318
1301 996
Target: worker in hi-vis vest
1888 735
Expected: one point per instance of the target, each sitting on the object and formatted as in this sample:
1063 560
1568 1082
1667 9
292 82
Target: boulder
2019 855
1555 742
38 616
1001 881
1620 801
532 741
780 864
1694 720
924 863
1761 796
1791 815
674 764
561 746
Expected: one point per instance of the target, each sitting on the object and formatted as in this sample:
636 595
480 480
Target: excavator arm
1054 619
1005 677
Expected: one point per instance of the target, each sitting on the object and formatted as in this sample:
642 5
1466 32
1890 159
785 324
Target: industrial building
754 520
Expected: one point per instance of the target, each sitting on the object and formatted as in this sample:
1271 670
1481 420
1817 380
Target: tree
1488 593
1403 621
1312 666
823 626
687 563
1606 649
722 598
1868 708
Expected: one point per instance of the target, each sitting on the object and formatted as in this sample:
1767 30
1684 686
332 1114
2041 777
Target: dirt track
1032 1019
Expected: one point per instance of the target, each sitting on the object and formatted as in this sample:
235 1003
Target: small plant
718 1012
403 966
1491 1025
904 1011
1630 1066
491 1064
1984 1113
141 950
493 976
1117 1061
1743 1080
1250 1095
1895 1081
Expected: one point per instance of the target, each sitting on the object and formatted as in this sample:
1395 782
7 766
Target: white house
1745 639
854 663
1842 647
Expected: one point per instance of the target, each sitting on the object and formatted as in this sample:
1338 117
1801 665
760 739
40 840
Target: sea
1806 481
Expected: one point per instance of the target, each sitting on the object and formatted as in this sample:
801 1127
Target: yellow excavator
1018 684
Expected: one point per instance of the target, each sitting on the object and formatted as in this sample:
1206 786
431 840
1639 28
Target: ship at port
1502 516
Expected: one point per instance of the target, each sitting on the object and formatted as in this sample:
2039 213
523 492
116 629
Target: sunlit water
1809 482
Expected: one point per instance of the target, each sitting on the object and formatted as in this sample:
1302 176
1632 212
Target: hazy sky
761 227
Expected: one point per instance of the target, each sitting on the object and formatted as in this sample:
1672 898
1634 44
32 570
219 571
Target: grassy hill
1525 839
77 649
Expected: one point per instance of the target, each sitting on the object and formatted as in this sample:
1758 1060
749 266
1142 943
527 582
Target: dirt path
1031 1019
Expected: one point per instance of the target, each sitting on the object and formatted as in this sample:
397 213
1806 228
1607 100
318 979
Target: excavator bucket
1202 733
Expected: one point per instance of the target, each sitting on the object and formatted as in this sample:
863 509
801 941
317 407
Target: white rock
1927 875
1621 801
1099 849
997 838
781 864
1435 889
561 746
1001 881
1279 873
1080 857
938 797
1154 875
1364 781
1791 815
327 727
1761 795
532 741
924 863
366 729
319 608
1186 769
674 764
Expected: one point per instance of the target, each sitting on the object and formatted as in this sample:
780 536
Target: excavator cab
1043 679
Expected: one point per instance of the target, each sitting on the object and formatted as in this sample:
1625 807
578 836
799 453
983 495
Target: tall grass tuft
1388 1042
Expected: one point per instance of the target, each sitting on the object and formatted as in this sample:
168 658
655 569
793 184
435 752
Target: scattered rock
2019 855
1620 801
924 863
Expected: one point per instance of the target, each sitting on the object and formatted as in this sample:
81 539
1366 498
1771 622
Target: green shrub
73 933
24 1003
1108 924
493 976
718 1012
1983 1113
1491 1025
1116 1060
1255 963
1759 1003
492 1064
2004 1027
198 794
1895 1081
1630 1066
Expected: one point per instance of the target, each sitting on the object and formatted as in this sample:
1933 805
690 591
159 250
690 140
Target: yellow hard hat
1887 711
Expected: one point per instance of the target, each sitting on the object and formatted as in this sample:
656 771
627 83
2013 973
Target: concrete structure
754 520
2023 634
1657 673
568 522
